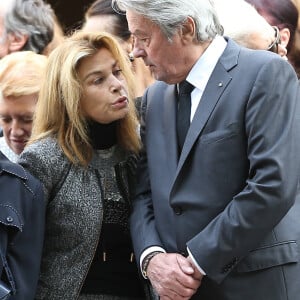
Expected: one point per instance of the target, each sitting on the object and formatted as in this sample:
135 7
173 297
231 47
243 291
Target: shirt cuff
148 251
195 263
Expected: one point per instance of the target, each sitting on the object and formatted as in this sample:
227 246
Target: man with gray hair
25 25
216 213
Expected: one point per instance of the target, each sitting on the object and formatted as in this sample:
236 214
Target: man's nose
138 52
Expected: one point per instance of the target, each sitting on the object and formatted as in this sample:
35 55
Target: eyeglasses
273 47
117 7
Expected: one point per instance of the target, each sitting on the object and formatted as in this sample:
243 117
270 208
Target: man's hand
197 274
173 276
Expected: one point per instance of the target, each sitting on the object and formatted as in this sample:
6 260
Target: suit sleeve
142 221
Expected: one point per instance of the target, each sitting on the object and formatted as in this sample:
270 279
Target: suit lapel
216 85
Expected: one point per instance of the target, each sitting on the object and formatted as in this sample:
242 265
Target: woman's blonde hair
21 73
58 113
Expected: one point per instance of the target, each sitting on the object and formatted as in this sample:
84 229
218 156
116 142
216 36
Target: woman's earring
131 57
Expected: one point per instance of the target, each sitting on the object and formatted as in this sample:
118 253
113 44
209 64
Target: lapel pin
220 84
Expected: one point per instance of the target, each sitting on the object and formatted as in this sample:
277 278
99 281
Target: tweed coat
74 215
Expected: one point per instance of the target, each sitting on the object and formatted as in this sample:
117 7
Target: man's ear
16 42
188 29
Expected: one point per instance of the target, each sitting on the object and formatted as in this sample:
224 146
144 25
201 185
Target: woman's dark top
113 270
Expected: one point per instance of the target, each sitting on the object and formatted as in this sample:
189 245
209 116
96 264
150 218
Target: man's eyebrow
138 32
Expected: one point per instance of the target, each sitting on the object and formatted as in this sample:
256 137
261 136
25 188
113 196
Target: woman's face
104 97
16 114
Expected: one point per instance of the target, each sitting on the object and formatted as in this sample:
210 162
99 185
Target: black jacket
22 217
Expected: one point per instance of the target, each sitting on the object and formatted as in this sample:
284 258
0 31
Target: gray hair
169 15
241 21
33 18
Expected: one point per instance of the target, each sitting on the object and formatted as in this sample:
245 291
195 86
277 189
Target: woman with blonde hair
100 16
21 76
83 149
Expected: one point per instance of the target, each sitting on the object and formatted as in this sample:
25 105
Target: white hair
243 23
169 15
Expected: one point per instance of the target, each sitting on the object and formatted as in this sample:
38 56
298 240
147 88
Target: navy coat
22 217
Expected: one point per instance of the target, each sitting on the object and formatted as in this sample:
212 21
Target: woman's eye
98 80
5 119
117 73
28 121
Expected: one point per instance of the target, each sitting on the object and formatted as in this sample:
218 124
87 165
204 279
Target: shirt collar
203 68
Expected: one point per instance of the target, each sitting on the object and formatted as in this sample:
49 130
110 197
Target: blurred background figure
101 17
58 37
21 76
296 50
284 15
25 25
247 27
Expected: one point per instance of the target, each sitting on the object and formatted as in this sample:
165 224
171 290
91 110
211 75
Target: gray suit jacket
229 197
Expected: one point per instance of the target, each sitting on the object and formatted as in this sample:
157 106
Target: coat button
177 210
9 219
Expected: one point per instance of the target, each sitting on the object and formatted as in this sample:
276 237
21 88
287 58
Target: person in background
284 15
215 214
247 27
101 17
25 25
58 36
22 221
83 148
21 76
296 51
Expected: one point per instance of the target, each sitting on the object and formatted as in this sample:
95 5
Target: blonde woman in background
25 26
21 75
83 149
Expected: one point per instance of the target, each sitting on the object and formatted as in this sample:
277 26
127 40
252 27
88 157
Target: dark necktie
184 111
